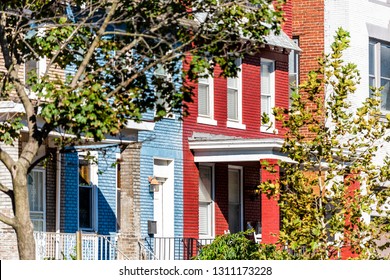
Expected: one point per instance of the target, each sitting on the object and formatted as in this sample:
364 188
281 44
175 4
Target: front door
164 209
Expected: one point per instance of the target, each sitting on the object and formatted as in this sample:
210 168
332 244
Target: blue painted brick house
89 191
162 157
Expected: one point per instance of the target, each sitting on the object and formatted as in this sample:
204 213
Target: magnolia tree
112 52
327 196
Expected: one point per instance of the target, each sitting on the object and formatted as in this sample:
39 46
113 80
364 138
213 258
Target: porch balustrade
62 246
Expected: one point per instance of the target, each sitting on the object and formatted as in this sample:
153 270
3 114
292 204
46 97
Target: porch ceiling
219 148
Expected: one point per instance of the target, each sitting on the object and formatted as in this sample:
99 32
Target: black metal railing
173 248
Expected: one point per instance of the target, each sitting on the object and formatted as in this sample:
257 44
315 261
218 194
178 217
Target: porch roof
282 41
222 148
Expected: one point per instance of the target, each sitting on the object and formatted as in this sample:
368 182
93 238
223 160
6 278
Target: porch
62 246
229 170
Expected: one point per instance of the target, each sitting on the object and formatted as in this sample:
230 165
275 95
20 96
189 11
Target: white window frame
377 76
211 231
207 119
271 94
293 70
236 123
43 212
93 157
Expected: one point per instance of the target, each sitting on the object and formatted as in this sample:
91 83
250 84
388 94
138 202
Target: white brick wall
363 19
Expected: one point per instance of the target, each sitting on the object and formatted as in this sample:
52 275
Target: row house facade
225 145
208 167
161 188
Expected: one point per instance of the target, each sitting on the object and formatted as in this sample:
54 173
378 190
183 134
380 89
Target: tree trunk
24 227
26 241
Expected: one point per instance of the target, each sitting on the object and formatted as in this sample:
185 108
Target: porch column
270 216
352 185
129 203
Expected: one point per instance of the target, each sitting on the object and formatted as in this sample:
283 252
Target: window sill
204 236
270 130
207 121
236 125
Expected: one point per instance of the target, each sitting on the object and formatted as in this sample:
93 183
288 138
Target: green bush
238 246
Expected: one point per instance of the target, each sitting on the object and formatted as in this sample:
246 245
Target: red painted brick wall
252 207
221 198
352 186
308 27
251 118
270 215
287 26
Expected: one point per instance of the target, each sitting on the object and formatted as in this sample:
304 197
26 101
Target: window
205 201
379 70
234 100
87 192
36 196
267 92
293 70
30 68
206 101
161 74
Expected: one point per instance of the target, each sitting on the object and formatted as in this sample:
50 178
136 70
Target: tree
109 50
334 184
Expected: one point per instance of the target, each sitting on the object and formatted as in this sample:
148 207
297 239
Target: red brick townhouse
225 145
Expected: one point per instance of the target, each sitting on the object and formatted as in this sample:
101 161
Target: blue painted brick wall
106 189
71 194
107 219
164 142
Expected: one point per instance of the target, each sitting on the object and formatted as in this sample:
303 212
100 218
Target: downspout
58 202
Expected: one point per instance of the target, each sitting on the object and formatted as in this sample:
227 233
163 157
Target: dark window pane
85 207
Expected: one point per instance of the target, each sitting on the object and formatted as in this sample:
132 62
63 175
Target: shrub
238 246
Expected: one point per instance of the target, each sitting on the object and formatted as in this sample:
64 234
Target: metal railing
62 246
171 248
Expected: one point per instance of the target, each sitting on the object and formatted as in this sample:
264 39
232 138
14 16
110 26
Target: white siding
8 249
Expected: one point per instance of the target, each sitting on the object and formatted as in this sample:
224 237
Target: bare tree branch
7 220
94 44
66 42
6 159
6 190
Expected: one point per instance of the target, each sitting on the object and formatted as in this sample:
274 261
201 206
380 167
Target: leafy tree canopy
326 197
110 47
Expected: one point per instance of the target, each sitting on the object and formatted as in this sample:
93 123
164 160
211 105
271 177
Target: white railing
62 246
